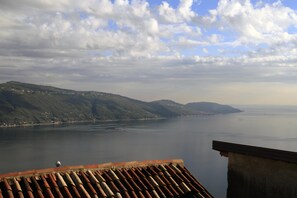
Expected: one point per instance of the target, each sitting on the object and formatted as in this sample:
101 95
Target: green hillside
168 108
22 104
211 108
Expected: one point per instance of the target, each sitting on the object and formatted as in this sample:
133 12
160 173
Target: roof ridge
103 166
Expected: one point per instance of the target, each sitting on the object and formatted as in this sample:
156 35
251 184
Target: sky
226 51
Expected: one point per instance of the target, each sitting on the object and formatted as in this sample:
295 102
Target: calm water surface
188 138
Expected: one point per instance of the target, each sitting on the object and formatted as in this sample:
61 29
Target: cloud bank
149 51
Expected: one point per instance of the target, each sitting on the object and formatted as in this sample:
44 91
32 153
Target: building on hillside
259 172
151 179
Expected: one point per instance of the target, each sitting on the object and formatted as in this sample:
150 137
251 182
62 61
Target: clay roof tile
125 194
127 185
155 194
106 176
73 191
160 192
133 194
113 187
147 194
147 183
75 178
99 177
150 179
162 167
164 179
100 190
120 174
141 194
120 186
69 180
61 181
185 187
92 177
118 195
146 172
1 195
113 175
173 191
126 174
106 189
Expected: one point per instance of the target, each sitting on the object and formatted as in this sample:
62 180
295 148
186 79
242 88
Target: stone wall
255 177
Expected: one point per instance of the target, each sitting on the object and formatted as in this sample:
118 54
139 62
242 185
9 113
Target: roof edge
109 165
268 153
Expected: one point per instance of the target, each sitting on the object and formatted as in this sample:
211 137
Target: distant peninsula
23 104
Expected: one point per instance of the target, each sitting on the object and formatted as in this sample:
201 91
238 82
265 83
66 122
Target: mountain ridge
31 104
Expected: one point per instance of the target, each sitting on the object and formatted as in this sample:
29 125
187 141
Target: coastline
57 123
76 122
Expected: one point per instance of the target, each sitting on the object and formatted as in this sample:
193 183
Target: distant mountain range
28 104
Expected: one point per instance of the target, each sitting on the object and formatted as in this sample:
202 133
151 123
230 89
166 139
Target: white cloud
183 13
167 12
152 26
215 38
83 25
262 23
205 50
184 9
126 42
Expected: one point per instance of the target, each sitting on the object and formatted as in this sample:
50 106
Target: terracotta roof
152 179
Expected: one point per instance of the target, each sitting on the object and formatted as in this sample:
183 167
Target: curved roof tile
152 179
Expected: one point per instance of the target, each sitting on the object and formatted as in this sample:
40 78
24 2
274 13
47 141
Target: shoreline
75 122
104 121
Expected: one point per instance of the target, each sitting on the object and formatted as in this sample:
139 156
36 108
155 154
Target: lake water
188 138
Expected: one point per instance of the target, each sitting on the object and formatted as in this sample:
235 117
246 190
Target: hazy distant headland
29 104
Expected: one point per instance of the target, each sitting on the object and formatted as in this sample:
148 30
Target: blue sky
227 51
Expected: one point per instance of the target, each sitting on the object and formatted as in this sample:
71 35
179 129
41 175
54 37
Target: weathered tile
147 179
